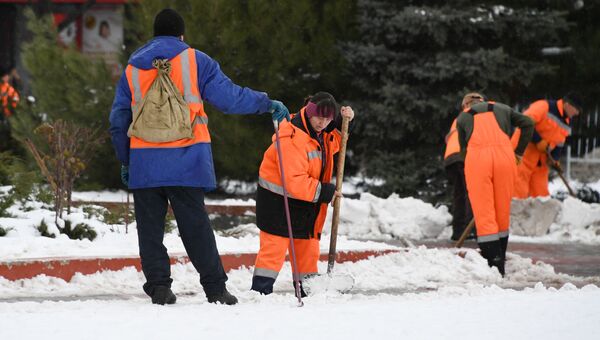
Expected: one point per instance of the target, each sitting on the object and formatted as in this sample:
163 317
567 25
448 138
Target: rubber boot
504 245
302 292
492 252
224 298
262 284
162 295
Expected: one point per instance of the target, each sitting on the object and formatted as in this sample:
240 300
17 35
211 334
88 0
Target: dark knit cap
168 22
575 100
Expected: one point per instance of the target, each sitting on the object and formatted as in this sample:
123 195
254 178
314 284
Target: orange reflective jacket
553 127
184 75
303 165
9 98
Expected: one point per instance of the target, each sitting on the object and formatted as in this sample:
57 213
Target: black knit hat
168 22
575 100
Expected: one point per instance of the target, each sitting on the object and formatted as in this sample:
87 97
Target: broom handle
561 175
336 204
294 263
465 233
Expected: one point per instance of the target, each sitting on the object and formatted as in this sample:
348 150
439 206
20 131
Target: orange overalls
551 129
490 170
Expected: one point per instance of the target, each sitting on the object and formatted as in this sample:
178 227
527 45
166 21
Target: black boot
262 284
302 292
492 252
162 295
224 298
504 245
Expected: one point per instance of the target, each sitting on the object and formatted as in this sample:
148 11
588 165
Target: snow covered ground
419 294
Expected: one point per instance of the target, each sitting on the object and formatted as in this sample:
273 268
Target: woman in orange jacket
309 142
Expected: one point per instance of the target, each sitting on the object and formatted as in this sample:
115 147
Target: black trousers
195 230
461 207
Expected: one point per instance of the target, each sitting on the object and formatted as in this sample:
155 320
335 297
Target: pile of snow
371 217
553 221
533 216
368 217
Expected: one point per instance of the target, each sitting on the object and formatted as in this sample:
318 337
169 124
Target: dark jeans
461 207
195 230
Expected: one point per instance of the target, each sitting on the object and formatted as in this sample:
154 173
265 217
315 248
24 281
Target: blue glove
279 111
125 175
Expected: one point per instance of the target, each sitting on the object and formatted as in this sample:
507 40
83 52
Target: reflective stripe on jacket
184 76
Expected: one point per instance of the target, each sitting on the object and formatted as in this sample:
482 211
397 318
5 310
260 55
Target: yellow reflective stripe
135 81
186 78
314 154
265 273
488 238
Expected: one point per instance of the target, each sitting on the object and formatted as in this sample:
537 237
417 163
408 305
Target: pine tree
68 85
414 61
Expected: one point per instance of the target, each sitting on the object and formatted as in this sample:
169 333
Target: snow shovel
295 271
560 173
465 233
336 203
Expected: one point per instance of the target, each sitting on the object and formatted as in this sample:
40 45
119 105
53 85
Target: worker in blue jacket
177 172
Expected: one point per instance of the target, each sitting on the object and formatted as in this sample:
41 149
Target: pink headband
312 111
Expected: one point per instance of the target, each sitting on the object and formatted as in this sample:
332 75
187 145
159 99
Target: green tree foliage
414 62
68 85
285 48
580 70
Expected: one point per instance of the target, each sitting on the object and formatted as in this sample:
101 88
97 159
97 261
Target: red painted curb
66 268
233 210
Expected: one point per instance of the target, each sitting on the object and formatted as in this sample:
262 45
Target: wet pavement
568 258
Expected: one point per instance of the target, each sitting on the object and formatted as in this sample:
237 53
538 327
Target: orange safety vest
303 166
185 77
9 98
452 144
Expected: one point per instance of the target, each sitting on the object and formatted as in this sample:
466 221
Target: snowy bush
80 231
43 229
